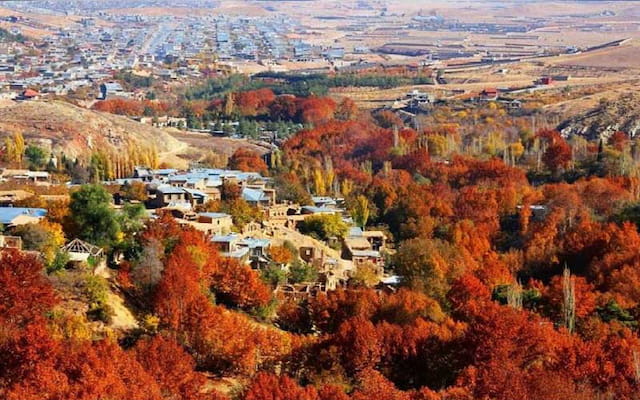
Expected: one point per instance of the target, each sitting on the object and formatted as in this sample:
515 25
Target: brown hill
77 132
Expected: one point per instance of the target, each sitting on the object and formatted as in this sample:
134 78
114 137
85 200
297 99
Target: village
185 195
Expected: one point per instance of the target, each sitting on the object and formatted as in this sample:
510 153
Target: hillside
606 118
76 131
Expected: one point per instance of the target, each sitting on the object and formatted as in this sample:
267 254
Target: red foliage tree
558 154
373 385
247 161
271 387
255 102
25 293
359 345
283 108
316 110
170 366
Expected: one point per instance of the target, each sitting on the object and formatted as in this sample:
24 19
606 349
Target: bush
97 290
274 275
301 272
59 263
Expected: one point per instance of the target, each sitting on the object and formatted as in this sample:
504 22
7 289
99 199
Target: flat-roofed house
8 197
364 249
228 247
214 224
15 216
167 195
26 176
259 197
111 89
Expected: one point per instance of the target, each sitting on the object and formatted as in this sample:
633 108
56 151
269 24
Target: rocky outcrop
607 118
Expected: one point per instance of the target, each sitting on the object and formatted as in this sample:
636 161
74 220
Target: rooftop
8 214
225 238
214 215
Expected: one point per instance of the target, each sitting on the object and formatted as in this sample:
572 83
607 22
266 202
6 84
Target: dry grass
626 56
76 131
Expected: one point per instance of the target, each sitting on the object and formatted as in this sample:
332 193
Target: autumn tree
148 271
557 155
324 227
25 294
360 211
316 110
247 161
359 345
44 237
271 387
347 110
15 148
170 366
429 265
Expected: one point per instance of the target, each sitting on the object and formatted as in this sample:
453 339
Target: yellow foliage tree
346 187
56 239
438 145
516 149
14 148
319 182
19 146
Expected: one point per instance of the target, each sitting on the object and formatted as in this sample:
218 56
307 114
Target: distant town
57 48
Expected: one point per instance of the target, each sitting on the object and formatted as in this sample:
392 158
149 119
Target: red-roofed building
29 94
545 80
489 94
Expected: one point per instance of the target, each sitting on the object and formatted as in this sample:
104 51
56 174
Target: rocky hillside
608 117
75 131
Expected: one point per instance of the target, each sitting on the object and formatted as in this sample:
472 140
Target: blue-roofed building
228 246
258 247
323 201
253 251
14 216
335 53
164 172
149 174
258 251
141 172
310 210
226 243
213 215
258 197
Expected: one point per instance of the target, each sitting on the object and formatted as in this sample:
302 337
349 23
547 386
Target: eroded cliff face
607 118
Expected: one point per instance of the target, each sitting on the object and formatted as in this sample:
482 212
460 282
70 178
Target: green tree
92 217
36 156
131 219
274 275
97 292
44 237
300 272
